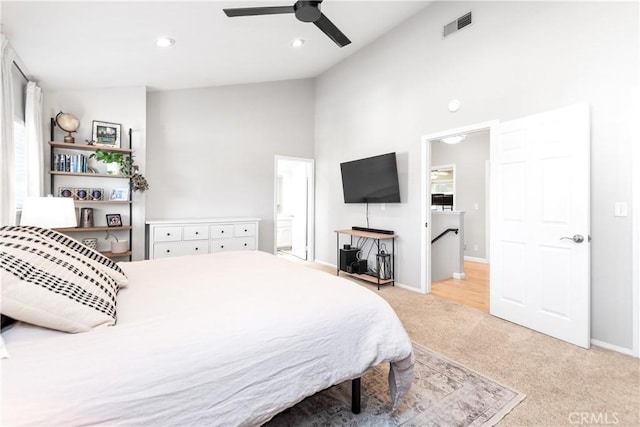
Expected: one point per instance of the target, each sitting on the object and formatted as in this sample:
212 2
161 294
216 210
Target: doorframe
635 250
311 197
425 242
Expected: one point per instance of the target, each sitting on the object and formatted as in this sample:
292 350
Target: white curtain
7 149
34 156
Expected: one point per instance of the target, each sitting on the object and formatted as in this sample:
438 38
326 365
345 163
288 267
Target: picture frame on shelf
82 194
96 193
114 220
119 194
106 134
66 192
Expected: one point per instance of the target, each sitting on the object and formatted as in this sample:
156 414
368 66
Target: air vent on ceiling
456 25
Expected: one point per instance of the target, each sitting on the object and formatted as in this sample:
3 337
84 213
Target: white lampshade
49 212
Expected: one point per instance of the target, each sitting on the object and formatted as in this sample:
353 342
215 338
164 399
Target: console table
369 235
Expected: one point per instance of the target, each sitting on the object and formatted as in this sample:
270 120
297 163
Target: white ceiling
91 44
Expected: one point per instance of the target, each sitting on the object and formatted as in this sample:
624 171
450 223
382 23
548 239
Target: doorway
459 195
539 218
293 208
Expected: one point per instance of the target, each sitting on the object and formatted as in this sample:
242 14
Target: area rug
443 393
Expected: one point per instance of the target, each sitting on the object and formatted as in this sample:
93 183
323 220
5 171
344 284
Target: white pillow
46 284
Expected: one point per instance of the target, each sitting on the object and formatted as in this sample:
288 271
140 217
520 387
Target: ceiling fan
305 11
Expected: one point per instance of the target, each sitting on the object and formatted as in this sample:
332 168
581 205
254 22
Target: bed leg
355 395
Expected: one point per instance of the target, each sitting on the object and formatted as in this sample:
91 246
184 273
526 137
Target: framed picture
66 192
106 134
96 193
114 220
119 194
82 193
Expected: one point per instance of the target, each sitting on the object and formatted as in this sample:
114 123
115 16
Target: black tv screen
371 180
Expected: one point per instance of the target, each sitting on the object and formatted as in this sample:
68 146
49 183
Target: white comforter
224 339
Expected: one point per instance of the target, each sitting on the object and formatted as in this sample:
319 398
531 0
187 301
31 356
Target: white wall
126 106
470 159
516 59
211 150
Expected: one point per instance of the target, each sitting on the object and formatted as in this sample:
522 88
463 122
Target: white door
540 223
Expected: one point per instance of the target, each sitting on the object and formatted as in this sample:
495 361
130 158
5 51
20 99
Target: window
19 135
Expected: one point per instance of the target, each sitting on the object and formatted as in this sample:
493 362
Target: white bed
224 339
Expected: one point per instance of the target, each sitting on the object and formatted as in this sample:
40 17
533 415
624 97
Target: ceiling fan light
297 42
165 42
456 139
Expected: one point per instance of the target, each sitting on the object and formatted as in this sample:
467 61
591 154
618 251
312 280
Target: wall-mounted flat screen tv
371 180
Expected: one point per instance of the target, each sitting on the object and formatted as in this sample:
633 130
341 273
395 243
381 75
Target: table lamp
49 212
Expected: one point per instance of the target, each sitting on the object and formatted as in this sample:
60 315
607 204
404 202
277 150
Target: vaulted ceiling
93 44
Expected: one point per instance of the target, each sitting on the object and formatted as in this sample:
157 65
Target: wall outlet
465 246
475 248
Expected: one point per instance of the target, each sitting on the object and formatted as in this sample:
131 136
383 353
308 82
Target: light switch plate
621 209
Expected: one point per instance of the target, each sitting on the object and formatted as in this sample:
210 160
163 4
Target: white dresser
176 237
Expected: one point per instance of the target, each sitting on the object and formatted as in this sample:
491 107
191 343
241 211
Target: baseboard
459 276
409 288
474 259
612 347
324 263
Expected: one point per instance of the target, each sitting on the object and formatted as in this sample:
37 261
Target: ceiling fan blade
251 11
332 31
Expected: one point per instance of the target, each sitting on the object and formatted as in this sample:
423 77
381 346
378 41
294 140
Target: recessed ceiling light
454 139
297 43
165 42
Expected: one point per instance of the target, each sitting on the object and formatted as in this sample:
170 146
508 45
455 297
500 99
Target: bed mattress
230 338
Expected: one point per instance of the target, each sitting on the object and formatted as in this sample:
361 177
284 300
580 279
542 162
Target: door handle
577 238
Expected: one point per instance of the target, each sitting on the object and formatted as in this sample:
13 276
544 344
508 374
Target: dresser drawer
196 232
240 230
221 231
167 234
165 250
218 245
240 243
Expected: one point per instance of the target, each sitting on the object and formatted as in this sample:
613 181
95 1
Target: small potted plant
117 247
117 162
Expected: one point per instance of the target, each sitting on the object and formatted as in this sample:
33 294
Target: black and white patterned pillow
47 284
71 245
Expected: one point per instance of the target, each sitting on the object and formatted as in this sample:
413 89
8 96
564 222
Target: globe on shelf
68 123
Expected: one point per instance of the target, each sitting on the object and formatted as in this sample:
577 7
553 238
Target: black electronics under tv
371 180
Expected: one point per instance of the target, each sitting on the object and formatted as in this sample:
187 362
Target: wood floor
473 291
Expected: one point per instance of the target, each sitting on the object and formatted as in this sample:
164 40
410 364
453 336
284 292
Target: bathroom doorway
293 206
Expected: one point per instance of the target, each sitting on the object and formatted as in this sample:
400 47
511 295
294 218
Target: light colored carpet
443 393
565 385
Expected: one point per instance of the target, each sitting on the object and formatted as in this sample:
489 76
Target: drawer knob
222 246
245 230
222 232
245 244
197 233
168 234
196 249
168 251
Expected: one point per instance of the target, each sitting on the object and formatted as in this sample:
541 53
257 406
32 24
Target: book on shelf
76 163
